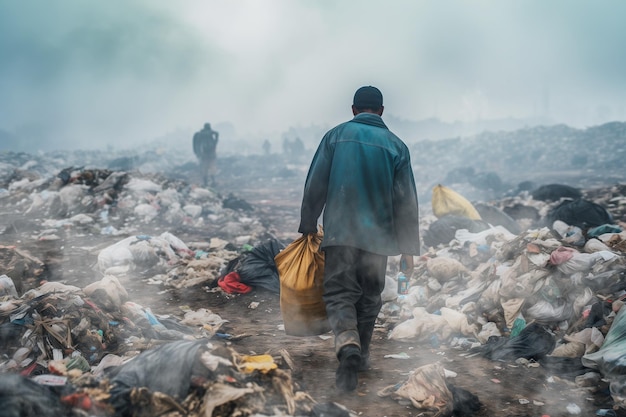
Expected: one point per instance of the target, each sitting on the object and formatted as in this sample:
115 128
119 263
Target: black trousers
353 282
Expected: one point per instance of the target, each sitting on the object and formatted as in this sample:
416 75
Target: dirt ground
504 389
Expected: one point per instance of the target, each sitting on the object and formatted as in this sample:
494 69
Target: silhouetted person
297 147
204 146
293 149
267 147
287 146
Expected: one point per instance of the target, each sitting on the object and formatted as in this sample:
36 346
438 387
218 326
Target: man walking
361 177
205 147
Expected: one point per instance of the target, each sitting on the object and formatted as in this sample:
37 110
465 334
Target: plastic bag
108 293
426 389
145 254
494 216
498 233
21 396
301 272
446 201
7 287
443 230
257 267
580 213
167 369
555 192
422 327
610 360
533 342
444 269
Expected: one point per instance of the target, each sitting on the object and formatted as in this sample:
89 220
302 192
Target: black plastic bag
496 217
442 230
564 366
533 342
554 192
167 369
580 213
23 397
256 267
464 402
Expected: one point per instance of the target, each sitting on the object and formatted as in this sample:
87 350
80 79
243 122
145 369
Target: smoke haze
96 74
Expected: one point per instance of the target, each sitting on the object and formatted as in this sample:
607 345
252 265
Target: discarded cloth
231 283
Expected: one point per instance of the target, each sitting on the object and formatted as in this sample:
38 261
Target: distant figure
267 146
286 146
293 149
204 146
297 147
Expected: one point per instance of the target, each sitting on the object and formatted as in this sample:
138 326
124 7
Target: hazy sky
119 72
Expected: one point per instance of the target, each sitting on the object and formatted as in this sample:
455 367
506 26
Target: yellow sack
446 201
301 272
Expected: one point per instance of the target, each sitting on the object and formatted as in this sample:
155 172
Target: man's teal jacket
362 179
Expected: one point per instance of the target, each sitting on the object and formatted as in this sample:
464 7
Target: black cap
368 98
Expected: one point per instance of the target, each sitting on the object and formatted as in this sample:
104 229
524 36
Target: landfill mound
77 343
107 272
492 164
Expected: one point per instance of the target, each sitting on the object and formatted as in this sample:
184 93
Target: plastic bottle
518 326
403 284
606 412
7 287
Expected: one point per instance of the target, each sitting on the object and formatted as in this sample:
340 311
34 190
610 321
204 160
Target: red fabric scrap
231 283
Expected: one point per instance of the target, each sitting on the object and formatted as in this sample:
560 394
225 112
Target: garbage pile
69 351
116 203
552 294
489 165
538 276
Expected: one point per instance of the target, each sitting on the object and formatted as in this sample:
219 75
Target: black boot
346 377
366 330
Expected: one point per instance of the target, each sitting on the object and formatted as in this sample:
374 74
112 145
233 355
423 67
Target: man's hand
307 230
406 264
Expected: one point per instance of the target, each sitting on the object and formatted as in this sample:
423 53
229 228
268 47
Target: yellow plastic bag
301 272
262 363
446 201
